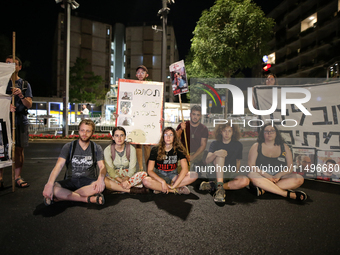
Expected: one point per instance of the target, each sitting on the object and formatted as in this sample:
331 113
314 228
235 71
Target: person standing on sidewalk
22 102
142 74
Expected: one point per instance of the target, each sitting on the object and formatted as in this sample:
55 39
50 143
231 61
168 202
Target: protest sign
140 109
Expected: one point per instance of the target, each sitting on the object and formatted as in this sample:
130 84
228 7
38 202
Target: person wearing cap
142 74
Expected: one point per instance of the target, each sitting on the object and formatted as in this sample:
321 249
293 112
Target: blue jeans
167 176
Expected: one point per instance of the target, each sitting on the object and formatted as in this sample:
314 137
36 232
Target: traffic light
266 67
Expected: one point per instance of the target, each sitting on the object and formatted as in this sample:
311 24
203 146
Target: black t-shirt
234 149
170 162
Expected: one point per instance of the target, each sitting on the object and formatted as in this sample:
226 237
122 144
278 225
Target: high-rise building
144 47
89 40
307 39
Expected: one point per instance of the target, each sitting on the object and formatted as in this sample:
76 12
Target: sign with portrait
140 110
178 78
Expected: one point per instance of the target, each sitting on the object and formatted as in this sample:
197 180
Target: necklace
193 134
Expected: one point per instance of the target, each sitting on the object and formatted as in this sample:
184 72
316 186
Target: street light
67 21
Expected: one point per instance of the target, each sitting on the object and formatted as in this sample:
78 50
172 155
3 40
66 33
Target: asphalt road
164 224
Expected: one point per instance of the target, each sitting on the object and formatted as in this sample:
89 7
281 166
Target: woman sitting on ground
121 165
162 167
271 164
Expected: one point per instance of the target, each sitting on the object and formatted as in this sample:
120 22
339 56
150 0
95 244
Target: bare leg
290 181
238 183
265 184
147 151
111 185
19 162
139 153
151 183
189 178
79 195
219 163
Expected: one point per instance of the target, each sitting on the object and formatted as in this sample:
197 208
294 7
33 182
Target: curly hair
236 132
177 144
115 129
278 139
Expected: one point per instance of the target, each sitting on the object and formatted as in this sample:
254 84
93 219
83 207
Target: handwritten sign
140 109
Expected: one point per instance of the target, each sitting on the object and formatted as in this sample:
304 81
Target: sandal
298 194
48 201
98 196
257 191
21 184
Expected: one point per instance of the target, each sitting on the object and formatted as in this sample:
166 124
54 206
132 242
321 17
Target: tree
85 86
232 35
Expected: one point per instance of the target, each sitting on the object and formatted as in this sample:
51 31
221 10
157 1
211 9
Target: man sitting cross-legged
81 182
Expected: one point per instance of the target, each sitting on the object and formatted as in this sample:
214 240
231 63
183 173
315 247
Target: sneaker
219 195
205 186
183 190
255 190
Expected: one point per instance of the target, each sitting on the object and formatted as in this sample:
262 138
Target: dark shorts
167 176
21 136
75 183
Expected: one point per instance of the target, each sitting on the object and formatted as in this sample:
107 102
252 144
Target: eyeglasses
169 135
140 73
270 132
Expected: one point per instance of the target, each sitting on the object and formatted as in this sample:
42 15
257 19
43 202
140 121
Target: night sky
35 22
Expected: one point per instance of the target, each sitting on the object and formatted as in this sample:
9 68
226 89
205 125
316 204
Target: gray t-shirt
82 162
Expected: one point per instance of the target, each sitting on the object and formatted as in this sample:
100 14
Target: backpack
71 152
113 151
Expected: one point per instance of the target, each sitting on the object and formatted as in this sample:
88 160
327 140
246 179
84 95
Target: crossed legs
289 181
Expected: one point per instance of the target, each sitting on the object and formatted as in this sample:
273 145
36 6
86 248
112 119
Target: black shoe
135 190
255 190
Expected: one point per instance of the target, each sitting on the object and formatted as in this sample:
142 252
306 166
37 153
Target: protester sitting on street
120 161
83 182
162 167
271 164
225 153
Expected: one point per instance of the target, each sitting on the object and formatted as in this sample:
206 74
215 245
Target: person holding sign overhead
142 74
162 167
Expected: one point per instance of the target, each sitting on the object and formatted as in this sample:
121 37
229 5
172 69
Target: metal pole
164 39
67 21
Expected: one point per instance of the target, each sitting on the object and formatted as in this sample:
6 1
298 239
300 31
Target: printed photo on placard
3 141
178 78
328 166
126 96
125 107
304 162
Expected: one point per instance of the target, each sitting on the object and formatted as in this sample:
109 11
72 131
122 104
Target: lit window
309 22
